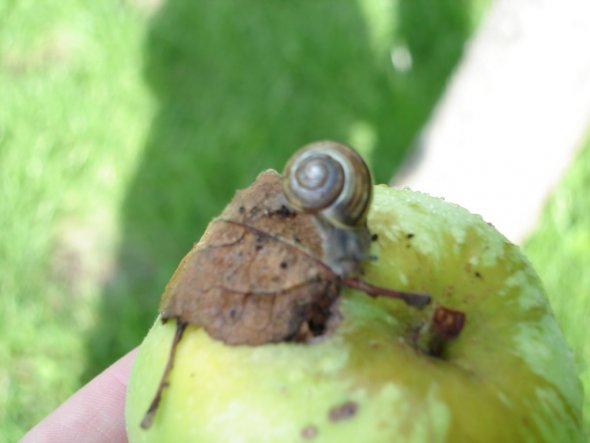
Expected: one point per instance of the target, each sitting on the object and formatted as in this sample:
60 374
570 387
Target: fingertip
95 413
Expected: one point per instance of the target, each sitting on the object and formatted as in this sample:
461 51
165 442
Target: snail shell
332 180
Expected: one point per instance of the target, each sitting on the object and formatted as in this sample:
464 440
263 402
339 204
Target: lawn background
125 125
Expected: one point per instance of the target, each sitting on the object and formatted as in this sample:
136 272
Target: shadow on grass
239 89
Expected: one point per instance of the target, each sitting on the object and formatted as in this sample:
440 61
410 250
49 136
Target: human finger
94 414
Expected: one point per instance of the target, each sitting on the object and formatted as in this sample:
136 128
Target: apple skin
508 377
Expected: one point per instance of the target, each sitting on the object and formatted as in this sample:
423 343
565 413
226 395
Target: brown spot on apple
309 432
344 411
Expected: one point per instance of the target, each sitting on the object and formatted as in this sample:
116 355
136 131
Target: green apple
507 377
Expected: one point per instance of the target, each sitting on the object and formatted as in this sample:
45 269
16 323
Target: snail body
330 180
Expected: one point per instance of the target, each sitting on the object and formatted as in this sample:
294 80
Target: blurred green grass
126 125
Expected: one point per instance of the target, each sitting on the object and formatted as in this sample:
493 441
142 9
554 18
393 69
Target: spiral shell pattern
332 180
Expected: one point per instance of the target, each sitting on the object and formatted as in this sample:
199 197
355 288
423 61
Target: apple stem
149 415
444 325
412 299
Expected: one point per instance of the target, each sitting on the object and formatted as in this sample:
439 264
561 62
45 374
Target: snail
331 180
